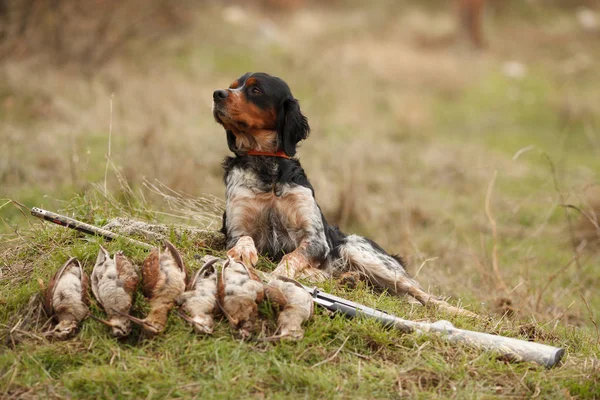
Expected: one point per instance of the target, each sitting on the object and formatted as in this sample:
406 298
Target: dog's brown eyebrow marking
250 81
235 85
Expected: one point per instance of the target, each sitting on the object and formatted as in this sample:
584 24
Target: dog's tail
359 254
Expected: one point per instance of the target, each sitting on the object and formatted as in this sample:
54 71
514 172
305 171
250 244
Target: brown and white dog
270 204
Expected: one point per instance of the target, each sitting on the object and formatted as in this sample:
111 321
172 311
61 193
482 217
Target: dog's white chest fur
276 217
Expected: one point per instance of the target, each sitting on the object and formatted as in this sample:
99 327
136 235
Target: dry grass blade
591 315
15 329
125 189
135 201
593 219
108 155
15 369
523 151
490 216
30 321
5 203
552 277
207 211
332 356
16 235
422 265
561 196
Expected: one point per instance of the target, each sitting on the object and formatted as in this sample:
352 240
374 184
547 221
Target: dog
270 204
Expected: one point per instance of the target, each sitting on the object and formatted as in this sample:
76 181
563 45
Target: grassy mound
337 358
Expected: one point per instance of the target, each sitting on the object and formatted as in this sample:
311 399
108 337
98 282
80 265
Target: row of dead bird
229 287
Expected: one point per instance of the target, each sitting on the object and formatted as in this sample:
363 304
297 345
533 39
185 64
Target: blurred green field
412 137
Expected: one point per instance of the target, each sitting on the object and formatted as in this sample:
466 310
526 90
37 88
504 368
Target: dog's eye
256 90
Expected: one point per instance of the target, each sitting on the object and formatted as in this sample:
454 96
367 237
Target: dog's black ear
292 128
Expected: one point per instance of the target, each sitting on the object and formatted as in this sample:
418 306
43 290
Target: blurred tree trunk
470 14
3 20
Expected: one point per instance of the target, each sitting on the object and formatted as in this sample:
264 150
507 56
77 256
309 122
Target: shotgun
512 349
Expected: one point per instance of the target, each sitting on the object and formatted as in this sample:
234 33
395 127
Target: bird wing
221 291
208 267
127 273
290 280
100 261
85 285
150 273
221 282
49 295
276 295
252 274
177 257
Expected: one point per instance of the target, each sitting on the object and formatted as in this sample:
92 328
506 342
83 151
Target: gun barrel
83 227
513 349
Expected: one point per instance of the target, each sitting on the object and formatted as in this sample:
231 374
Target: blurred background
461 134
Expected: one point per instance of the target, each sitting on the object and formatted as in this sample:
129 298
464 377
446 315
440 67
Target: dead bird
67 299
239 292
114 281
163 281
295 307
199 302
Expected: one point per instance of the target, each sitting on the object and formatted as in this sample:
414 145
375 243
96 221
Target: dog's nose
220 94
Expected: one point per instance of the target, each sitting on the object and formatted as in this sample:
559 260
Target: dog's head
259 112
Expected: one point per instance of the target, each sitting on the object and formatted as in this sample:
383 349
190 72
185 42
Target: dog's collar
280 153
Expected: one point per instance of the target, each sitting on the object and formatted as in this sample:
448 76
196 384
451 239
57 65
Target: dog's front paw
244 251
313 275
291 265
